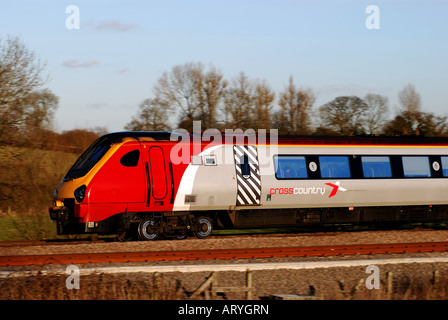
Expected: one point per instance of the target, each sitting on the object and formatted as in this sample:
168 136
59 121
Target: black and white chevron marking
248 186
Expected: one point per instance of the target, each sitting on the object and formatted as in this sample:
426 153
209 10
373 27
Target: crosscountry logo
336 187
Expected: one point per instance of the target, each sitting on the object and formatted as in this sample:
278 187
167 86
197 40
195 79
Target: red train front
125 183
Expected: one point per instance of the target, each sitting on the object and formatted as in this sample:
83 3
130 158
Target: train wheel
203 228
147 231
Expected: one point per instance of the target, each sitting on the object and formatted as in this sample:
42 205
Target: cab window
88 159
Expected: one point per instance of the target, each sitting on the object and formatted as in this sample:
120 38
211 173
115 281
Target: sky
102 70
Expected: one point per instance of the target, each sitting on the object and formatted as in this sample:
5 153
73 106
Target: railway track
223 254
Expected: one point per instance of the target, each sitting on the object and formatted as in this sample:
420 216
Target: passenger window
334 167
445 166
416 167
290 167
376 167
245 167
131 158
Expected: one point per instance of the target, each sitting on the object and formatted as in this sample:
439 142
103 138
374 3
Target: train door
248 175
157 177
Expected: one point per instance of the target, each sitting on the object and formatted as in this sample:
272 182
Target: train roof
282 140
138 135
362 140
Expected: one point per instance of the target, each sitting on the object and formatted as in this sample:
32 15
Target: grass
28 177
37 226
180 287
31 225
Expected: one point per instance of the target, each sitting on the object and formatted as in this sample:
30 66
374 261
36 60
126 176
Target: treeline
72 141
191 92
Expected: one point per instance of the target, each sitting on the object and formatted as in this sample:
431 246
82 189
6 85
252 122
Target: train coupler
59 213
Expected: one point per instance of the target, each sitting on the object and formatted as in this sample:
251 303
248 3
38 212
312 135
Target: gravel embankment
226 242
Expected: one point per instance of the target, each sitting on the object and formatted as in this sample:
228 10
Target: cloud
116 25
77 64
98 105
122 71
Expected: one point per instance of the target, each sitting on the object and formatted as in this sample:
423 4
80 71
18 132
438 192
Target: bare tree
212 92
410 99
23 102
296 105
263 99
345 114
377 112
411 120
177 89
238 102
192 91
38 117
40 110
151 117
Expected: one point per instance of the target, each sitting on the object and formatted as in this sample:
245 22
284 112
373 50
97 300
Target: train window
376 167
131 158
290 167
416 167
88 159
210 160
334 167
245 167
445 166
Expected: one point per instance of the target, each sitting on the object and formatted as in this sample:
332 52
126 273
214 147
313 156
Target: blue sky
104 69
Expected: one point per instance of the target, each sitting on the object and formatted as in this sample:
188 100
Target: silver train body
314 184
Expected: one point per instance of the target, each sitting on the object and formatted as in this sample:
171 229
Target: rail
223 254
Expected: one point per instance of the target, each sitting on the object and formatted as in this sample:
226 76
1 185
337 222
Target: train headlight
80 193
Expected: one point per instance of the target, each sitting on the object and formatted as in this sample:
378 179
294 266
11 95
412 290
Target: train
146 185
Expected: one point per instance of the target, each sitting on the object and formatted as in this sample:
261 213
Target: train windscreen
88 159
